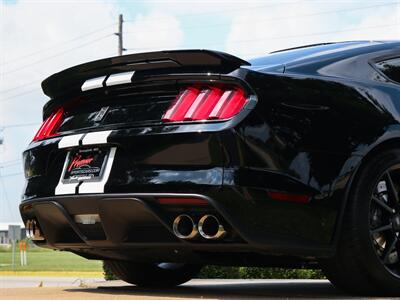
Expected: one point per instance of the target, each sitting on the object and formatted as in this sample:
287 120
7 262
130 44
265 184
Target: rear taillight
205 103
50 125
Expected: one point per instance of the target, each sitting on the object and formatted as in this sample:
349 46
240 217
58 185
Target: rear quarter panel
307 135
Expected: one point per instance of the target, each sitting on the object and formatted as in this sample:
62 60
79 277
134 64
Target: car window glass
391 68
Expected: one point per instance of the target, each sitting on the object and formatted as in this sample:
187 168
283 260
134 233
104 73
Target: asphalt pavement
39 281
61 288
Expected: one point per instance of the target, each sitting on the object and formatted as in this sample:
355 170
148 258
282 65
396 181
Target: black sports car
160 163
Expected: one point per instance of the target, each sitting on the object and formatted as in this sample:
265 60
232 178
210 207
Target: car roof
317 52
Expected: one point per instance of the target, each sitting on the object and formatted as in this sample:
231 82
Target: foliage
217 272
108 274
259 273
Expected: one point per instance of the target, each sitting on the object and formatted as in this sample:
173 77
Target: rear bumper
135 227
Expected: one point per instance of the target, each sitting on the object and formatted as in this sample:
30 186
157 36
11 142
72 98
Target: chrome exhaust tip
184 227
210 228
33 230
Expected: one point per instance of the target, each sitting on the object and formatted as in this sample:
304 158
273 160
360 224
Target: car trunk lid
131 90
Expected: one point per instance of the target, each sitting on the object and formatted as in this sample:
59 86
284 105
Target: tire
153 275
367 260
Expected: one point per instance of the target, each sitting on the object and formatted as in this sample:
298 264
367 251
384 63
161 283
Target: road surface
32 288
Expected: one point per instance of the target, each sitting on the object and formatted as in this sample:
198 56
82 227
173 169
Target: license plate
85 165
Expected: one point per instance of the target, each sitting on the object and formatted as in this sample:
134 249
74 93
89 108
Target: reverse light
50 125
87 219
205 103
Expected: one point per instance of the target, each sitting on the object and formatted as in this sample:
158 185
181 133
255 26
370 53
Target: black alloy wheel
367 258
385 219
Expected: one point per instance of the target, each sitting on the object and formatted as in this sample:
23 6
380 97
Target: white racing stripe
96 138
88 187
120 78
70 141
65 188
93 83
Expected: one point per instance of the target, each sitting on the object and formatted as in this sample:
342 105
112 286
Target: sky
39 38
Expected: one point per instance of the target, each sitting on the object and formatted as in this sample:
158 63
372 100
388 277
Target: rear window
391 68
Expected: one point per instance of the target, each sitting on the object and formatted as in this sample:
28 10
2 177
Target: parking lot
92 288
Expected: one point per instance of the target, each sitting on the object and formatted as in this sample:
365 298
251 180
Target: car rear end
130 156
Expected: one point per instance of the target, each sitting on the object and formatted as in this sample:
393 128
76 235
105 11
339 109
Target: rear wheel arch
393 143
390 144
355 266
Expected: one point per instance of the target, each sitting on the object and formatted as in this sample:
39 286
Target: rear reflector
205 103
282 196
181 201
50 125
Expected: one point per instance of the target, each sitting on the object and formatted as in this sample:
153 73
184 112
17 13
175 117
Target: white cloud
375 25
196 7
294 24
155 31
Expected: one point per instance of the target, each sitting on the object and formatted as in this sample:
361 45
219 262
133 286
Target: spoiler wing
199 60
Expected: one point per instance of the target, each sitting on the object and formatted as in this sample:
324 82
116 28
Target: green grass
49 260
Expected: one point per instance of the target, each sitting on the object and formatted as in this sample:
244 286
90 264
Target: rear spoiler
198 60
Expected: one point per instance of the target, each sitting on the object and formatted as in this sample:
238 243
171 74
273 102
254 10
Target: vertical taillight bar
234 104
198 102
203 111
216 112
178 109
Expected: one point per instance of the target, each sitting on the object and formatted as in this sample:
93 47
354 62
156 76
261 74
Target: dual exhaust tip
209 227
